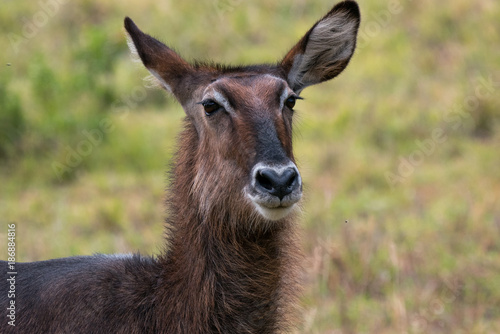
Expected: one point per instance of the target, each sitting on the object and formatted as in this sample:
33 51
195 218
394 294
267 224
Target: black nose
277 184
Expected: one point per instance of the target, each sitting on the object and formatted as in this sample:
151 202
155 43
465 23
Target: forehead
240 89
250 80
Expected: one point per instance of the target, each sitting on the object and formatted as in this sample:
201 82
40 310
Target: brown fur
241 272
230 264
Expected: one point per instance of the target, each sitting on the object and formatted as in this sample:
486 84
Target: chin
275 214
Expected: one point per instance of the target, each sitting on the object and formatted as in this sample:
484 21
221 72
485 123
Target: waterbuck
230 259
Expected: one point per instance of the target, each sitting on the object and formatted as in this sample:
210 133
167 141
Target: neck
232 274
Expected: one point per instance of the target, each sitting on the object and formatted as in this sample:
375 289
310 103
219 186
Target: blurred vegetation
400 154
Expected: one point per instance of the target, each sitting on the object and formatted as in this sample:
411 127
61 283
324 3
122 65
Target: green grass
419 254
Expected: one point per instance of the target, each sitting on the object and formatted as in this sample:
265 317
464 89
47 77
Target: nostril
264 179
289 178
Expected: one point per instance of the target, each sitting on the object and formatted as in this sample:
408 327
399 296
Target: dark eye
290 102
210 107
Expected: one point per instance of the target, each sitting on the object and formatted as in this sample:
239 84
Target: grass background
404 145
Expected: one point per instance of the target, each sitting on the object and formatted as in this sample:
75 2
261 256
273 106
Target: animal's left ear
325 50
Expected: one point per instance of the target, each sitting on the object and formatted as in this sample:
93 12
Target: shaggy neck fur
227 270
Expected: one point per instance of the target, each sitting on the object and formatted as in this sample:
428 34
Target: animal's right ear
163 63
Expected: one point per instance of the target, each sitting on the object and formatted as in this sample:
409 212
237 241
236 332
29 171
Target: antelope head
240 119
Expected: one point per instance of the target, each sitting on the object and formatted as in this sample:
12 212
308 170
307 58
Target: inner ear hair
326 49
